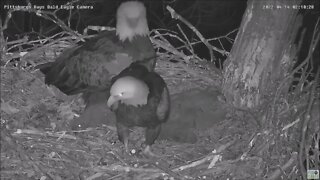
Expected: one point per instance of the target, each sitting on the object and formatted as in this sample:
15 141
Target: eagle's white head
131 20
128 90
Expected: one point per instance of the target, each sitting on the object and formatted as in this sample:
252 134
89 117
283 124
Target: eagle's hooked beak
113 101
133 22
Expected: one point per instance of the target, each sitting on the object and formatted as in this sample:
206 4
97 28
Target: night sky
211 18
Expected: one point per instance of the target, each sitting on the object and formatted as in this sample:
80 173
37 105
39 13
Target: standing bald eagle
139 98
89 68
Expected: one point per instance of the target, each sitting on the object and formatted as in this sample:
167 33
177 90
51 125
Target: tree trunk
263 52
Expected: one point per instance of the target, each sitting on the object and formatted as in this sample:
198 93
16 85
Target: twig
168 47
290 124
305 127
50 39
223 52
51 16
125 169
174 15
42 133
168 171
278 172
206 158
187 44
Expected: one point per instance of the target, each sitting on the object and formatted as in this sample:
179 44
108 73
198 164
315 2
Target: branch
174 15
305 124
278 172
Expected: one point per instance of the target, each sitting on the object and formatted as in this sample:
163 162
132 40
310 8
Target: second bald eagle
89 68
139 98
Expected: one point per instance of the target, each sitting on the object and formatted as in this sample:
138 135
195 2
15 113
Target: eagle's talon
147 151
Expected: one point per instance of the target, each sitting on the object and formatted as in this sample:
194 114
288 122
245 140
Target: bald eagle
139 98
89 68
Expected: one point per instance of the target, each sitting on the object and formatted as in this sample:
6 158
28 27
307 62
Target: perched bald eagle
139 98
89 68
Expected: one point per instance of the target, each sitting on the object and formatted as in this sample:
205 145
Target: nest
37 143
36 140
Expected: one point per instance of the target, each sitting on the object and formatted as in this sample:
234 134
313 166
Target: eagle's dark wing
159 94
92 65
159 98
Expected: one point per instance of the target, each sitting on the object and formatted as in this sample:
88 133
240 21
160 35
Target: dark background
212 18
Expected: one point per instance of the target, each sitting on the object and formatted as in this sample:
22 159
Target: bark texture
262 53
